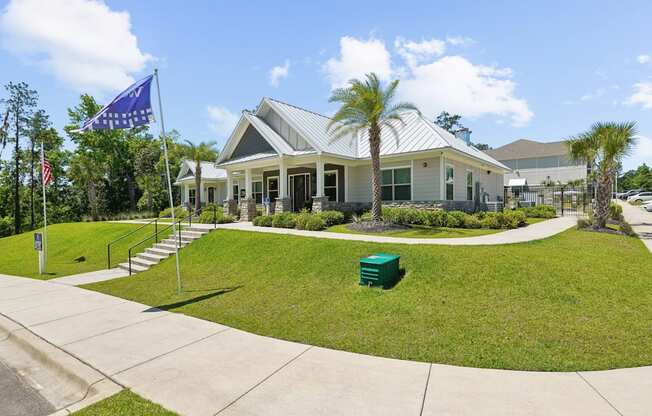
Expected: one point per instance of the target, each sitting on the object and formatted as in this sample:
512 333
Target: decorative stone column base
247 209
230 207
282 205
320 203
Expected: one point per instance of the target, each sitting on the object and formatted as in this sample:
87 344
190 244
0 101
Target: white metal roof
208 171
314 128
249 158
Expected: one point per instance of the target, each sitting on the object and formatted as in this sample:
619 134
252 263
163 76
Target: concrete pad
629 389
13 281
91 277
109 318
205 377
24 291
73 304
43 297
119 350
329 382
472 391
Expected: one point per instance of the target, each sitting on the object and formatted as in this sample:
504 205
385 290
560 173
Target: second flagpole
167 171
45 212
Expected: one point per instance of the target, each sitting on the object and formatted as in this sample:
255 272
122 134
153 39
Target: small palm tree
198 153
602 147
365 105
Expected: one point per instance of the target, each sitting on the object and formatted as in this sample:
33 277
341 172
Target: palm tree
365 105
602 147
198 153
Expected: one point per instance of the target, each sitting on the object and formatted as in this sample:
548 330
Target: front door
299 191
211 195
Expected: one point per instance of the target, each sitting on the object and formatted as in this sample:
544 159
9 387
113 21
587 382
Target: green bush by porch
576 301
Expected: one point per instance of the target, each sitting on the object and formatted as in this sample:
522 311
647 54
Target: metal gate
567 200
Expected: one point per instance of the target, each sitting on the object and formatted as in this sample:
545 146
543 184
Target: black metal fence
567 200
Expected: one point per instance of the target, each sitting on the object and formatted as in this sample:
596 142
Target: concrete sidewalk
641 222
532 232
197 367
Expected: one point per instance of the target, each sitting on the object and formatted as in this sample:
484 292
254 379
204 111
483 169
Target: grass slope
67 242
124 403
576 301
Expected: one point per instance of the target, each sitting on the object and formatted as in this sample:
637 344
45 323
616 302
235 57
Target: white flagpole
167 170
45 213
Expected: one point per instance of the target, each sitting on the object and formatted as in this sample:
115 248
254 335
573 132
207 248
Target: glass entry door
299 191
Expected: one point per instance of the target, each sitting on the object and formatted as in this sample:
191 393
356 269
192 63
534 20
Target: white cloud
83 43
642 153
358 57
279 72
430 80
221 120
643 59
416 52
642 95
456 85
460 40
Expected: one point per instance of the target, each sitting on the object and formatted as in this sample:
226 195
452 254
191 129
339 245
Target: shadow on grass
196 299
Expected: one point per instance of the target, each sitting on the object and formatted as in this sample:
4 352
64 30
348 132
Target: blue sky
514 69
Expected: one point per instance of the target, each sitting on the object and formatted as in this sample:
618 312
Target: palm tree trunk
92 200
603 199
374 149
198 186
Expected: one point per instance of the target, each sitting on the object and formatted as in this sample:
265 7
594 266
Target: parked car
629 193
641 197
647 206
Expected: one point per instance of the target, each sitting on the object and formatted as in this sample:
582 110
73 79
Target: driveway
641 222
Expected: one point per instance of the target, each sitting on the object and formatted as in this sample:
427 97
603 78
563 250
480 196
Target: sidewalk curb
63 380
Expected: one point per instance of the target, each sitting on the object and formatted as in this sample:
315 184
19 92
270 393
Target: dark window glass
330 179
386 177
449 191
331 193
401 176
386 193
402 192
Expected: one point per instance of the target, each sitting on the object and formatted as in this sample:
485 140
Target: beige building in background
538 162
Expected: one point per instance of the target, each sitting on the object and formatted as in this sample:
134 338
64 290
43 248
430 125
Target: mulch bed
376 227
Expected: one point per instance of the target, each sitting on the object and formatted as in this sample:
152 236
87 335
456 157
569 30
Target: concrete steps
163 249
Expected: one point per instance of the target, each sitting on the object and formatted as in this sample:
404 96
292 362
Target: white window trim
393 184
466 184
449 165
266 194
253 189
337 183
193 197
291 188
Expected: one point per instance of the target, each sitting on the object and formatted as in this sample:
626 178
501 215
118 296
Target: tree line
103 175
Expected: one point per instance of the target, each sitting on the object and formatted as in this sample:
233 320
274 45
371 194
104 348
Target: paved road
19 399
196 367
641 222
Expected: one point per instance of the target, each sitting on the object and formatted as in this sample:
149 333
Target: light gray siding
559 174
426 179
286 132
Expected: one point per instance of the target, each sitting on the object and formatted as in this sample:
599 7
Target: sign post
38 246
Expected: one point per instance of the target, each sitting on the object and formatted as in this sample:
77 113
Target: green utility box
379 270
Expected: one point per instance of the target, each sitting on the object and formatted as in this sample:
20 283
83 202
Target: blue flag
130 109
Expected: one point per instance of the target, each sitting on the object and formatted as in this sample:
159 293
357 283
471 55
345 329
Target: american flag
46 171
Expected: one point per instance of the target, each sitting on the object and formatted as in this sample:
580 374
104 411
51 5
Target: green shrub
490 220
616 212
314 223
438 218
455 219
284 220
626 229
302 218
511 219
5 226
209 216
331 217
539 211
583 223
179 212
263 220
471 221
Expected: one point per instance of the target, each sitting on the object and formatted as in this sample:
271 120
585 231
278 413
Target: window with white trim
450 182
330 185
257 191
192 196
272 188
469 185
396 184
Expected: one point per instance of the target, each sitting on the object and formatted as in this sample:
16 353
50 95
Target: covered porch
282 184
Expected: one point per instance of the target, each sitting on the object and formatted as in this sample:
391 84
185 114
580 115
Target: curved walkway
532 232
196 367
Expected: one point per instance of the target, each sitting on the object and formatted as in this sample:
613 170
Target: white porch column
346 183
248 183
229 185
282 180
442 177
320 178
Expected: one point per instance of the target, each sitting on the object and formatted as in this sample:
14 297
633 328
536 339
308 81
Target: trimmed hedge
539 211
263 220
305 220
284 220
453 219
208 216
179 212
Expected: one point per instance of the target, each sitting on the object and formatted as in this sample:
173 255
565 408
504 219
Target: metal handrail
178 239
108 246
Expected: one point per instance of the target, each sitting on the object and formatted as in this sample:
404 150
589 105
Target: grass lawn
423 231
67 242
575 301
124 403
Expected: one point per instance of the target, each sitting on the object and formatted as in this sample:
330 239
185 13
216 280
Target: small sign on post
38 246
267 202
